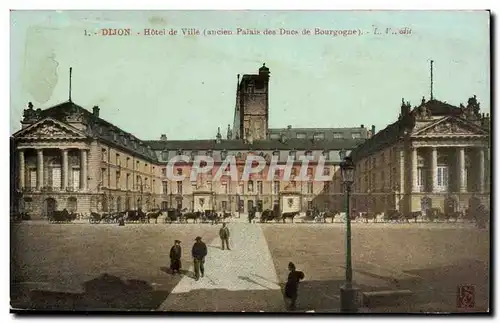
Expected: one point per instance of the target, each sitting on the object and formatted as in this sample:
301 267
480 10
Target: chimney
362 126
163 137
289 127
95 111
373 130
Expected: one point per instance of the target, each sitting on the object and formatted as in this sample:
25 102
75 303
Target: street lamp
347 293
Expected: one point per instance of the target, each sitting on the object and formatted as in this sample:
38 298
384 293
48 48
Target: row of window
226 187
373 162
319 135
54 178
118 161
225 153
140 183
442 177
279 172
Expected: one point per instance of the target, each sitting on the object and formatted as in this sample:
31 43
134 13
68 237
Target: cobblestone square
92 267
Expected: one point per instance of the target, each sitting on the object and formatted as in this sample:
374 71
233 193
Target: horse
370 216
392 215
412 215
154 214
195 216
211 216
332 214
286 215
268 215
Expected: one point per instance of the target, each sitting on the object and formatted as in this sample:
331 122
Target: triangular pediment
451 126
49 128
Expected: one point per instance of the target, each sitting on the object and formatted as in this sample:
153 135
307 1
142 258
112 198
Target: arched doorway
450 205
127 203
119 204
104 202
50 206
164 205
71 204
425 205
249 205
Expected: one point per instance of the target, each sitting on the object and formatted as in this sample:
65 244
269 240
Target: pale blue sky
185 86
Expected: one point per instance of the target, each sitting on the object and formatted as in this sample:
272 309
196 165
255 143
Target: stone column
83 169
402 171
21 169
414 169
64 168
462 185
434 168
39 169
481 169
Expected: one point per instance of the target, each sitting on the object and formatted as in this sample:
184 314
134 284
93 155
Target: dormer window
326 154
223 154
319 136
210 153
292 153
338 135
194 153
179 152
276 153
308 153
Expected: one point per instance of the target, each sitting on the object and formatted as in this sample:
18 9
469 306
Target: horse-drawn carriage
207 216
63 216
106 217
269 215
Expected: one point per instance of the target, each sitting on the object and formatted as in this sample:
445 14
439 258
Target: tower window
259 85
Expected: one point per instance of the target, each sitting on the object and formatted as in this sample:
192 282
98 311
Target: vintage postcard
250 161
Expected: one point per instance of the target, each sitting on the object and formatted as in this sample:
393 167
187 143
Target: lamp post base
348 299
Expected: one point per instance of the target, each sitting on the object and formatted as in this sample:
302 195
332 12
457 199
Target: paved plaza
104 266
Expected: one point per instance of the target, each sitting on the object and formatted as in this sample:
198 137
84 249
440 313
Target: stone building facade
68 157
434 156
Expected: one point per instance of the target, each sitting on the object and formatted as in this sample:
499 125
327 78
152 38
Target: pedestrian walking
292 285
224 236
199 253
175 257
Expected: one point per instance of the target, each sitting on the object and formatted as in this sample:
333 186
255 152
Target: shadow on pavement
104 292
252 281
182 272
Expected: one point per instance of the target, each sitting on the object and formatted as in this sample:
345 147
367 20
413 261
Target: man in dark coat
224 236
199 252
175 257
292 285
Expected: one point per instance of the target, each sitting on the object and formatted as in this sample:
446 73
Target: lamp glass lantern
347 171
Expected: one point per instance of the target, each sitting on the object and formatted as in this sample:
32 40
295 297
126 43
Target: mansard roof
289 144
100 129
